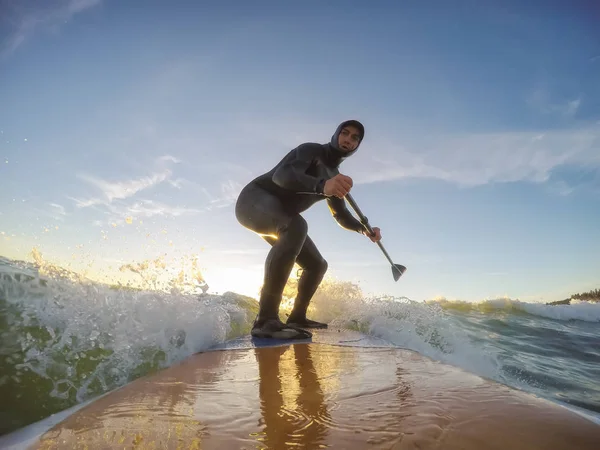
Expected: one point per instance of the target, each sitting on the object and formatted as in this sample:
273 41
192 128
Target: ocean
65 339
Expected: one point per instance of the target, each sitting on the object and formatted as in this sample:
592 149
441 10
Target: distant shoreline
590 296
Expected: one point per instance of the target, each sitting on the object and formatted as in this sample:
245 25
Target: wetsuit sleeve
292 174
343 216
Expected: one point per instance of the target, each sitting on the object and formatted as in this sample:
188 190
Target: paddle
397 269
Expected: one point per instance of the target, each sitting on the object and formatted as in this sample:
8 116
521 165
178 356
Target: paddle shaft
365 223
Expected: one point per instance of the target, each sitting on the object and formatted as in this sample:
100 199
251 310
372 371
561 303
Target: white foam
421 327
115 332
577 310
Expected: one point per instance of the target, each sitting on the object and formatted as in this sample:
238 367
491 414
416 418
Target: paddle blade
397 271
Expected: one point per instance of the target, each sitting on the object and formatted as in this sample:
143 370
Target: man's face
349 138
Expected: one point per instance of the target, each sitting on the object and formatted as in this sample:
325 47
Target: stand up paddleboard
340 389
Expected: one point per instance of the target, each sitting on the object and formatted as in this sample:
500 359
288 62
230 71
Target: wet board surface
332 336
340 389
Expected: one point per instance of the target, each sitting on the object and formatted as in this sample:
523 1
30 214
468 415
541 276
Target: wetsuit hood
336 154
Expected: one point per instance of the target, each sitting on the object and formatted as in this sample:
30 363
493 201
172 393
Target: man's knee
316 268
298 227
321 266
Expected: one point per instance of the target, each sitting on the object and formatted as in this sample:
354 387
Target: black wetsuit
270 205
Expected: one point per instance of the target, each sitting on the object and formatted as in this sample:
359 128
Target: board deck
335 336
340 389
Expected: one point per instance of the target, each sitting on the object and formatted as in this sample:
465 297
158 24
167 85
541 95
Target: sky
127 130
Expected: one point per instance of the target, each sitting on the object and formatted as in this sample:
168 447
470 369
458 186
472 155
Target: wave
523 349
424 328
64 341
577 310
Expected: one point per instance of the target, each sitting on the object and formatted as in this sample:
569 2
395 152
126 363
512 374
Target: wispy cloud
469 159
145 209
149 208
121 200
120 189
169 158
46 211
125 212
27 18
478 159
178 183
223 195
561 188
58 210
541 99
110 191
571 107
230 190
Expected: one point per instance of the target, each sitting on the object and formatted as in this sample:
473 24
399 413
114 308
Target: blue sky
128 129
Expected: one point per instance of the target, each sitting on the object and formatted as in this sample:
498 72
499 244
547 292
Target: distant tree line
590 296
593 295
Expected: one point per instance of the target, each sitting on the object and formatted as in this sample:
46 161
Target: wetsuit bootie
276 329
304 323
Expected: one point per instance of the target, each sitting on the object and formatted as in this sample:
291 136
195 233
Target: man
270 205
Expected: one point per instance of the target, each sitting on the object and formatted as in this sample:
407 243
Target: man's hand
338 186
376 236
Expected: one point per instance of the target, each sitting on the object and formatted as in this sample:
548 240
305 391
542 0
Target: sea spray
64 341
417 326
